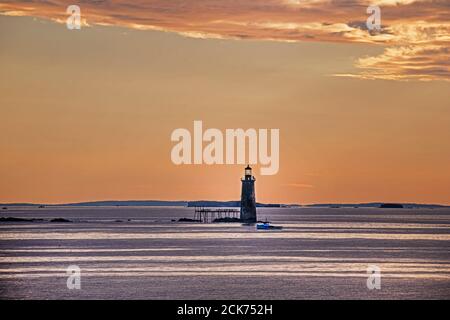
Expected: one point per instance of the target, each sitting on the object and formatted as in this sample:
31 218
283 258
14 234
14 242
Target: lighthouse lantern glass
248 171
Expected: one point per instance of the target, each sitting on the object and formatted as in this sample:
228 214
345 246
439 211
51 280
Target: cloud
413 30
405 63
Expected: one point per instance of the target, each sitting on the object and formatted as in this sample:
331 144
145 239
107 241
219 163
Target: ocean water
140 253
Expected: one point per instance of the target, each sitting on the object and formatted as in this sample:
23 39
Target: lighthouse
248 202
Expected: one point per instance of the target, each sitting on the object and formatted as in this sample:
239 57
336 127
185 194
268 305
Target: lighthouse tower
248 203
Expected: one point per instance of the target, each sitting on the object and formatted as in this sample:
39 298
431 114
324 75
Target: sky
87 114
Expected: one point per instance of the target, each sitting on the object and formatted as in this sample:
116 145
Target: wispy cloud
416 32
430 62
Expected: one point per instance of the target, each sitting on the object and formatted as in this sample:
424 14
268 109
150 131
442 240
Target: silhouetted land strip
12 219
188 220
212 204
59 220
391 206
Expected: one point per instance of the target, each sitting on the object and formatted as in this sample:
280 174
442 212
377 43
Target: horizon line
203 200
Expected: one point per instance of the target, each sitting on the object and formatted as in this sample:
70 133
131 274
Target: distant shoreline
205 203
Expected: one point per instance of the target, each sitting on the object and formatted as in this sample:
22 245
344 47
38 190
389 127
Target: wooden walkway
207 215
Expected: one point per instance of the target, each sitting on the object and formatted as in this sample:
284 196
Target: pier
207 215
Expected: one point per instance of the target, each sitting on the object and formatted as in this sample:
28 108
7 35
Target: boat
267 226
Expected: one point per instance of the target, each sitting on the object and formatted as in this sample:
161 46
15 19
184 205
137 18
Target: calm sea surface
140 253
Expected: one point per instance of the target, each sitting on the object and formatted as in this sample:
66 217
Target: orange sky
87 115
